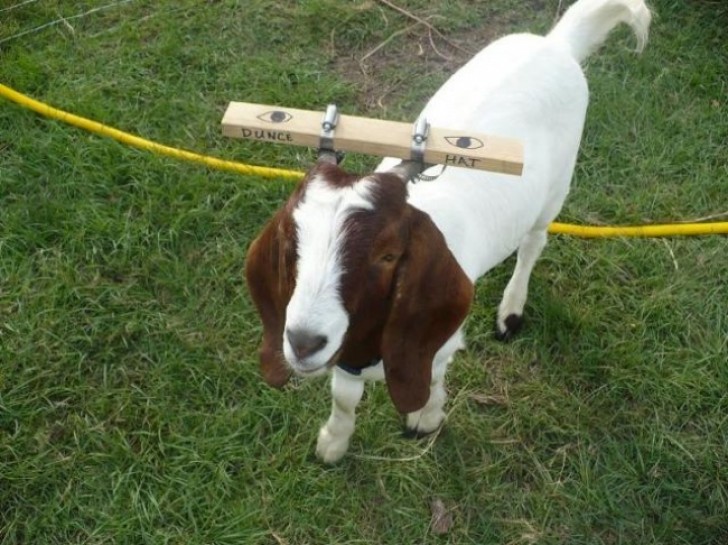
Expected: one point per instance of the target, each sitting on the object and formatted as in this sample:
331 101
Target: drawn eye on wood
464 142
275 116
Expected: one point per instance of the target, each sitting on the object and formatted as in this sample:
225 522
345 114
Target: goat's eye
388 258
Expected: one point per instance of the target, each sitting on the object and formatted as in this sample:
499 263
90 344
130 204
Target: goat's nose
305 343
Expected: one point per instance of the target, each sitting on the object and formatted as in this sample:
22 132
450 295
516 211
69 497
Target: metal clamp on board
328 124
326 138
420 132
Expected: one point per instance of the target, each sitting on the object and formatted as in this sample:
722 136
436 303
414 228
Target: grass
131 410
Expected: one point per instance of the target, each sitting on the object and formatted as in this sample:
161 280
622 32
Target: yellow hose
679 229
648 231
141 143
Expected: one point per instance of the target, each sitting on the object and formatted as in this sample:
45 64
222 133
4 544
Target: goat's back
531 88
521 86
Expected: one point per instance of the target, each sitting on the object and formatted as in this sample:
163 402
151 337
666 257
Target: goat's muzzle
305 343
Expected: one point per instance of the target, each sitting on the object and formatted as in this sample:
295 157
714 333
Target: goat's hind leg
510 311
334 436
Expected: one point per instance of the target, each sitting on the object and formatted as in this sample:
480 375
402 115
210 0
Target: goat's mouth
318 370
309 372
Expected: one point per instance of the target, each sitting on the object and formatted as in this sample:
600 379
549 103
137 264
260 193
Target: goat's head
348 271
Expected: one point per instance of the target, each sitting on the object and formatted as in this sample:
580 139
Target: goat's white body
522 86
525 87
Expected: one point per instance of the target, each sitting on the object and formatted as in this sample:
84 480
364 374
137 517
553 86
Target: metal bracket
420 132
328 124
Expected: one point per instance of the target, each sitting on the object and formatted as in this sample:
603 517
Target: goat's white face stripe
319 223
316 304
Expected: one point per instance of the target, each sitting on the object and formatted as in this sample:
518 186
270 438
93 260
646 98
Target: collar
356 371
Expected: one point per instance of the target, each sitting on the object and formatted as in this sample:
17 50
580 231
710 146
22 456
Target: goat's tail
586 24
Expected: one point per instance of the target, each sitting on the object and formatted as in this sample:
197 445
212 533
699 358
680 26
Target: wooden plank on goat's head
373 136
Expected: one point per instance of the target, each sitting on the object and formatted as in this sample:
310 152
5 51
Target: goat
371 277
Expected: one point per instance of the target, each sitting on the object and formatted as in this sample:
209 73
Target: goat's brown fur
432 298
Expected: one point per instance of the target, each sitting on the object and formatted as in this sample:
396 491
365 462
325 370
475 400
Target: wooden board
373 136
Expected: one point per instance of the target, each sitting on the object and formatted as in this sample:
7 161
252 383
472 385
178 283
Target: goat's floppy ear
431 299
270 283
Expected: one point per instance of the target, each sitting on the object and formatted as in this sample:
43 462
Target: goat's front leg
510 310
333 439
431 416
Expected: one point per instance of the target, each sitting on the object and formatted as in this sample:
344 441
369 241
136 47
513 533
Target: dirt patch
404 69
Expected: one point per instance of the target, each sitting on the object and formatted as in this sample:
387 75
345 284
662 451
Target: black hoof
514 324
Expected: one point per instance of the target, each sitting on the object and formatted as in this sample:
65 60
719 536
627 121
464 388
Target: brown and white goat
371 277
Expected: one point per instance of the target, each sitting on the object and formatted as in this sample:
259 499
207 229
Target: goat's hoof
419 425
329 447
510 327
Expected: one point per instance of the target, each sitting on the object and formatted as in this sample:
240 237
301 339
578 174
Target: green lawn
131 409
